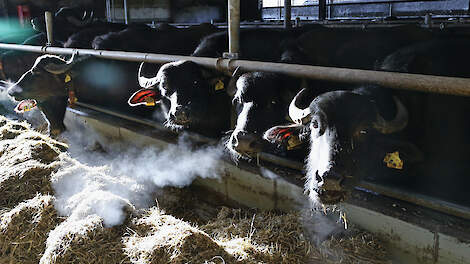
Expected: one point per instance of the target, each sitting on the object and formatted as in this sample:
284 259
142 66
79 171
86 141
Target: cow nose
332 180
181 114
245 142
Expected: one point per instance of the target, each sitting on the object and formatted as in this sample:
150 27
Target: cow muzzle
180 116
330 187
15 91
246 144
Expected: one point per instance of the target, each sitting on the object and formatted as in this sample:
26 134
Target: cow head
261 100
344 130
192 95
45 83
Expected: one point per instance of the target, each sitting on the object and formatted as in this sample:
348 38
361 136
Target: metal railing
404 81
417 82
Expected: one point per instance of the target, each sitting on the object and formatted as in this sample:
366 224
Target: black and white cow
368 130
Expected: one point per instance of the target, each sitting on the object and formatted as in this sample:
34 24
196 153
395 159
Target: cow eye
273 102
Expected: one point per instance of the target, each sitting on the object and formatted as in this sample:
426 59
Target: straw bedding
180 228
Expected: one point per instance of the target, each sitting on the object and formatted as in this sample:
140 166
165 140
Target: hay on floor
32 232
27 160
25 228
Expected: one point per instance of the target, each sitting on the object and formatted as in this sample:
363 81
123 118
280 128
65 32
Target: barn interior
121 183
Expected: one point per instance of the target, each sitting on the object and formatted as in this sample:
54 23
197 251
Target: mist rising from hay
119 176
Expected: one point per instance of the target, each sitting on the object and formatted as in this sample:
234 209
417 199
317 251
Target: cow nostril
318 177
234 141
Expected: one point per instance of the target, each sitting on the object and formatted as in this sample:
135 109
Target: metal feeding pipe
403 81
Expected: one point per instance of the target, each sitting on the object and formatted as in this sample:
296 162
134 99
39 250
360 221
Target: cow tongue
25 105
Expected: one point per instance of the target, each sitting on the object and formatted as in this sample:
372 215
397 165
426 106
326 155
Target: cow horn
298 115
145 82
398 123
63 66
88 17
81 22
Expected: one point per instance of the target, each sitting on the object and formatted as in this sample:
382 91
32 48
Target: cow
369 130
14 63
197 93
67 22
164 39
94 81
53 82
263 99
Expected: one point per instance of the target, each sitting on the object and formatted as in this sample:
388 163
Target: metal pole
108 10
287 13
321 10
126 12
49 27
233 29
403 81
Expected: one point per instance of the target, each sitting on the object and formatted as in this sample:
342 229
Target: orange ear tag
72 98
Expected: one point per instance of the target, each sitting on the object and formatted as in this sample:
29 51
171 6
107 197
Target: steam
100 182
120 176
268 173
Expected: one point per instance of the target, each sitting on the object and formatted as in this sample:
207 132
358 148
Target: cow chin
331 197
177 125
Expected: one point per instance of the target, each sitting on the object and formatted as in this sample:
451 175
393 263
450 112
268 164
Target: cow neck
68 79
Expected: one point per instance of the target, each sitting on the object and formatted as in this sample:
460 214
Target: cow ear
147 97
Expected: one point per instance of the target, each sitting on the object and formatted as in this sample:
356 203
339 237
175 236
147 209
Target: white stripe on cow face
242 118
321 150
319 160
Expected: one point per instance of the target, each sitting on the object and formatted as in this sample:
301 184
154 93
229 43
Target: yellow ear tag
393 160
219 85
149 101
67 78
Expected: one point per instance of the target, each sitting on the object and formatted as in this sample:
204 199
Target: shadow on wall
198 14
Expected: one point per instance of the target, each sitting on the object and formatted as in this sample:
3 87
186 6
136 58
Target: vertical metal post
49 27
126 12
287 13
233 29
4 8
108 10
321 10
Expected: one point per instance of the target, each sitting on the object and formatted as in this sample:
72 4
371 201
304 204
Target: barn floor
179 225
